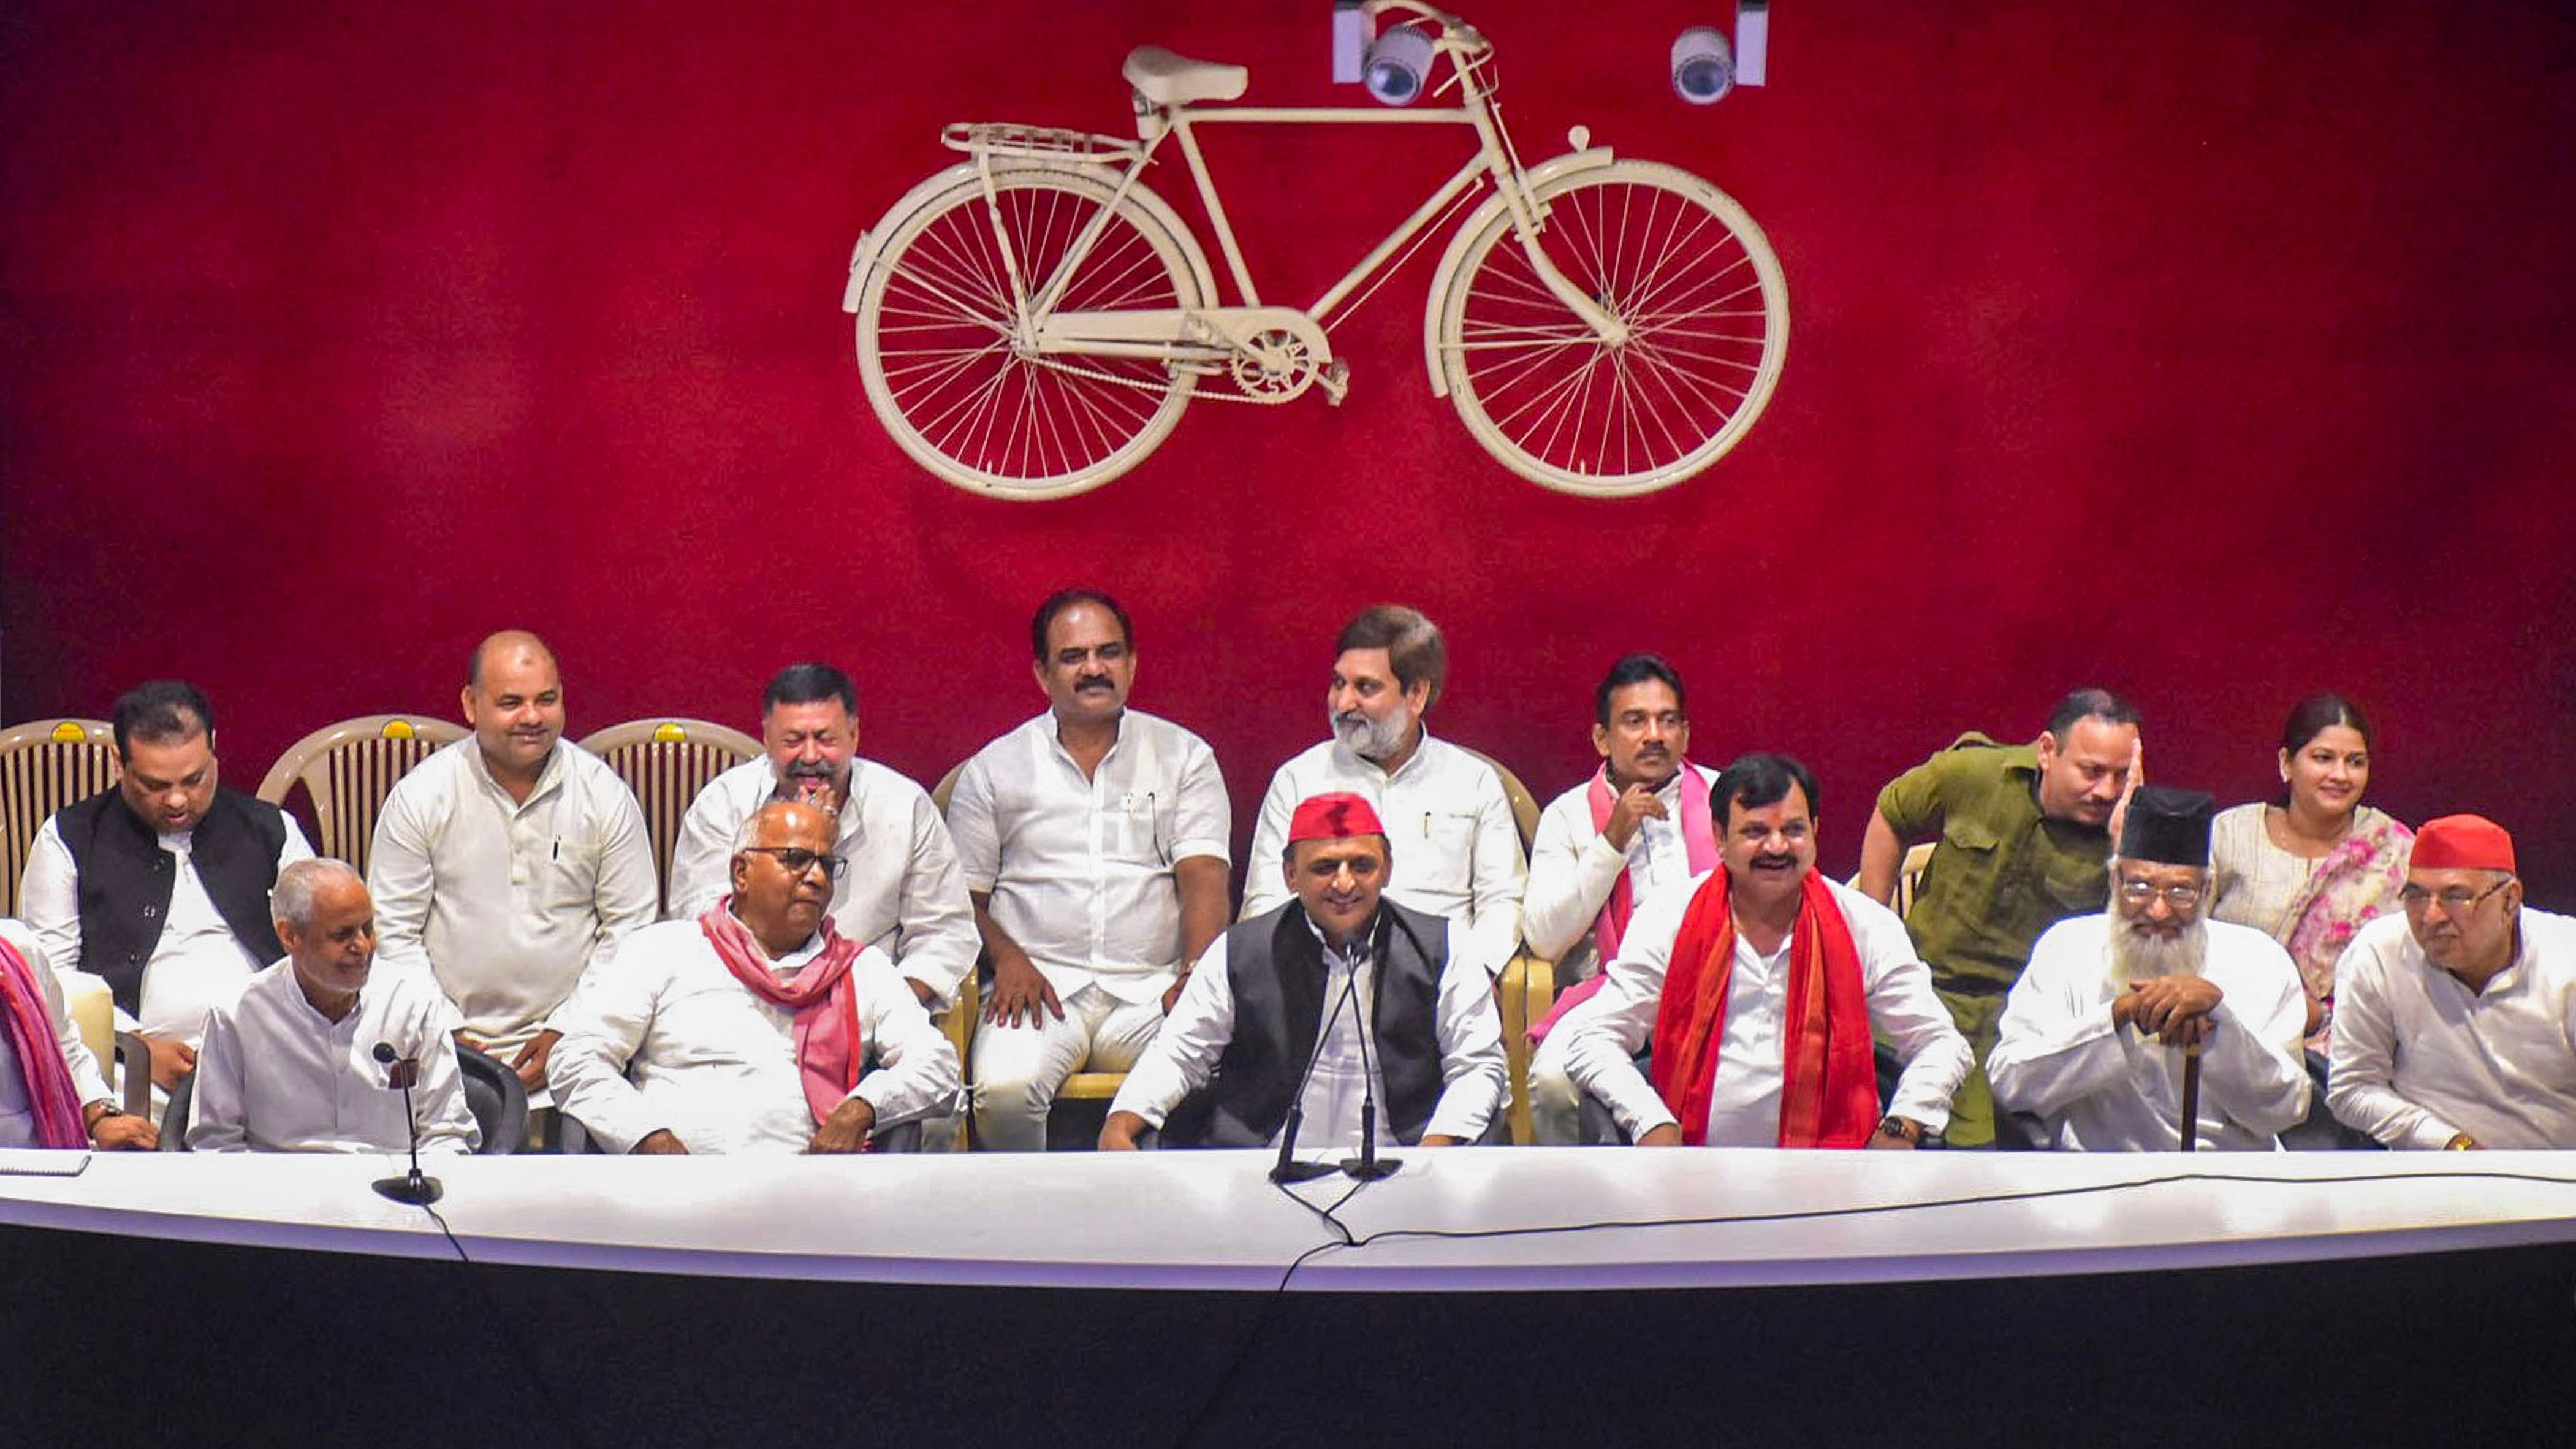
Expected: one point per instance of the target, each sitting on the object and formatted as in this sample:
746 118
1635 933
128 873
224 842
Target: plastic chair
45 765
666 762
498 1100
348 769
174 1117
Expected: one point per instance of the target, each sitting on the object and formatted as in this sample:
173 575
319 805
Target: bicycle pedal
1335 376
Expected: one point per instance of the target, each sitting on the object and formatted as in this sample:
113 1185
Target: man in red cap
1338 998
2455 1026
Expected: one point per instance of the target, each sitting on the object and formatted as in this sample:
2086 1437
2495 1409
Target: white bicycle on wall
1033 319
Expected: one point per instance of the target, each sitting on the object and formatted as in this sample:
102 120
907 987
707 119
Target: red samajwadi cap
1336 816
2462 842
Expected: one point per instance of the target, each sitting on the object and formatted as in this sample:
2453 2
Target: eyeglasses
799 860
2180 897
2455 901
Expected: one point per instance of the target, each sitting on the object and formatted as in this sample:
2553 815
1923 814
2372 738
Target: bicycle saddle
1167 79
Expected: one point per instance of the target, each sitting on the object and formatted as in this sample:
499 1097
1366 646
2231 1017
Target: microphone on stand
1368 1166
411 1188
1288 1169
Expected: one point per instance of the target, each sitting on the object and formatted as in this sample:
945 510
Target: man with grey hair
2116 1008
290 1064
1447 815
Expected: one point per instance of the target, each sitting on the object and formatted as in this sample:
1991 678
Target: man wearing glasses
2455 1027
1095 843
2115 1009
752 1028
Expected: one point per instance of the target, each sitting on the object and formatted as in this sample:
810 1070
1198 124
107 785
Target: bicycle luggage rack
1036 143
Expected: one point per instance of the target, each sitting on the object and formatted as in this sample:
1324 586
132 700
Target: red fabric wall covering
2215 352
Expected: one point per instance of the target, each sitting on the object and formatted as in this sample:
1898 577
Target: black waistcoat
1276 966
126 879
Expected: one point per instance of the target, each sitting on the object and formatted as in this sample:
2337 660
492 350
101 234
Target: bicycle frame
1148 333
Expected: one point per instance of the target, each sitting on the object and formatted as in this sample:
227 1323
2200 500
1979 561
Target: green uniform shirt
2002 872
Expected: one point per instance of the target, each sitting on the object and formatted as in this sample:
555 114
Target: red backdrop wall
2216 352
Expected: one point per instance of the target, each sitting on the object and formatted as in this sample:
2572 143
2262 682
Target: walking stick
2191 1097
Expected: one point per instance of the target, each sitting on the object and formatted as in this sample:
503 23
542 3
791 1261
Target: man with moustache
2455 1026
1759 984
1095 842
160 882
289 1065
900 888
1341 976
1639 825
2024 831
2097 1032
753 1028
1445 809
508 862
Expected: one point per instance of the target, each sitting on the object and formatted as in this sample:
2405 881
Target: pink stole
825 1001
1699 841
30 1026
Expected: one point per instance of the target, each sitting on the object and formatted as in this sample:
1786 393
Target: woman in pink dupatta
2315 865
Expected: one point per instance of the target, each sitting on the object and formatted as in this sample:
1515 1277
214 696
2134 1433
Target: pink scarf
826 1003
1699 842
30 1026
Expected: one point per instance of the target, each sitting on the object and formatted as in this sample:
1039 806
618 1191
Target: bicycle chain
1078 370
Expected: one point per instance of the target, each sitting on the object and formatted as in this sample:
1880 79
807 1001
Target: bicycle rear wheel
934 329
1671 256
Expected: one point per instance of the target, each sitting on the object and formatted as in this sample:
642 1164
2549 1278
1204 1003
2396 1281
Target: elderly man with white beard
2094 1036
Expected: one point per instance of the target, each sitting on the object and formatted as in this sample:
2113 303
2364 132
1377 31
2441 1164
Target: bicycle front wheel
1707 311
935 322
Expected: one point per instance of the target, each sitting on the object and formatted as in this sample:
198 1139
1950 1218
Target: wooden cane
2191 1097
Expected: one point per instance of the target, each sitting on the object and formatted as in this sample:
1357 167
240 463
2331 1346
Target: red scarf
1699 843
1828 1068
823 997
30 1027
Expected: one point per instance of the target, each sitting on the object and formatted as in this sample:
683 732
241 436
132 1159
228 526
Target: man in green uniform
2024 834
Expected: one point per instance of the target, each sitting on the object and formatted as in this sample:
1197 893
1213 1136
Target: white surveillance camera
1703 66
1398 63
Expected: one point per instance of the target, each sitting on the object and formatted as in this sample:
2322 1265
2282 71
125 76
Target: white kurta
1470 1031
2419 1058
2101 1088
17 1108
197 962
1572 870
1603 1037
901 892
1456 850
1080 867
275 1075
664 1037
508 902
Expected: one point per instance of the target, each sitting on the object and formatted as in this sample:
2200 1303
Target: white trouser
1019 1069
1556 1103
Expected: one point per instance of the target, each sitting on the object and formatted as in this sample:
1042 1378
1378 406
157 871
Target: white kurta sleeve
2361 1084
935 941
49 897
1184 1053
2254 1068
2056 1043
1265 886
1473 1070
628 895
1906 1013
1571 874
916 1072
1602 1041
1498 876
218 1116
603 1026
701 859
1203 821
88 1083
400 878
973 829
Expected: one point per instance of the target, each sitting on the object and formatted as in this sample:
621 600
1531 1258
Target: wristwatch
1902 1129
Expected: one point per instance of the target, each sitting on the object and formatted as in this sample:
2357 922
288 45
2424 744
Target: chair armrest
134 1059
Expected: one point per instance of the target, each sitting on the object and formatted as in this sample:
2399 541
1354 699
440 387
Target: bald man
509 861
